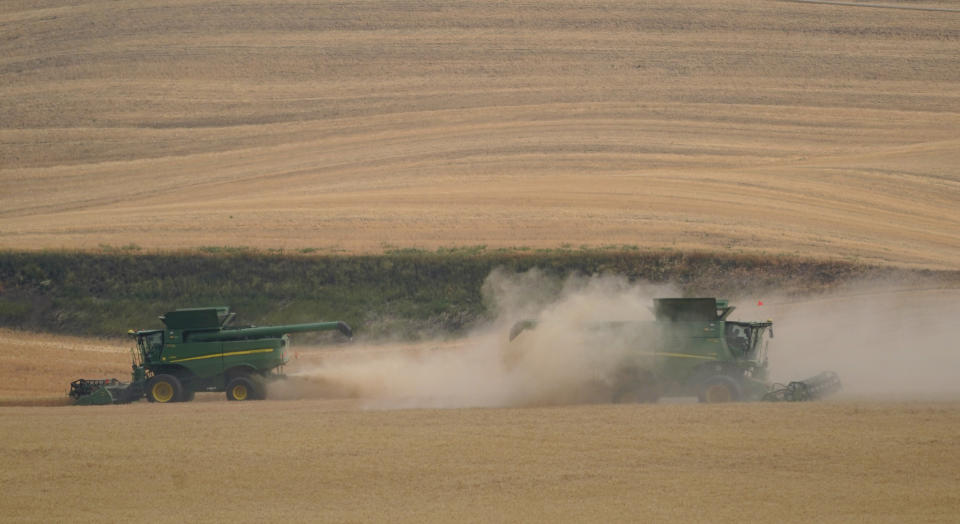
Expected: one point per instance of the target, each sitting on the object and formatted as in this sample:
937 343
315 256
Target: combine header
693 349
197 351
813 388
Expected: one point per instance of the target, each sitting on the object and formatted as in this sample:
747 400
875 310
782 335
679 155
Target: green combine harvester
197 351
693 349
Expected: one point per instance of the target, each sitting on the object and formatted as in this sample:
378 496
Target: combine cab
693 349
197 351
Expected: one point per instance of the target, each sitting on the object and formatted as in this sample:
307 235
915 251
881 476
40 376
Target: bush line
403 293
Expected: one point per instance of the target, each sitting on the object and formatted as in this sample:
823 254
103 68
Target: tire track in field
874 6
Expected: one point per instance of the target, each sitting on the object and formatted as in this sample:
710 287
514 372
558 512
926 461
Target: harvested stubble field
731 125
774 127
312 461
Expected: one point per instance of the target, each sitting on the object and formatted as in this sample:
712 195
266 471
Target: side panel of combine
686 346
254 355
202 359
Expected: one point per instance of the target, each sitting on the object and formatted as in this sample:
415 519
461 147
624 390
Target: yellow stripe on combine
231 354
685 355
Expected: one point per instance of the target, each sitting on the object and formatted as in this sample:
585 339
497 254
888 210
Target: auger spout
270 331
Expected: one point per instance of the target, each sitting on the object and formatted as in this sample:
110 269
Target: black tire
642 394
260 387
243 388
164 389
718 389
188 394
131 394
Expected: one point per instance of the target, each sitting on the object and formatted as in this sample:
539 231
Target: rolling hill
731 126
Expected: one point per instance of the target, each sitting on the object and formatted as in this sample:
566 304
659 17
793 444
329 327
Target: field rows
737 126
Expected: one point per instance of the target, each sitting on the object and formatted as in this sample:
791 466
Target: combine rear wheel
164 388
243 388
719 388
643 394
635 385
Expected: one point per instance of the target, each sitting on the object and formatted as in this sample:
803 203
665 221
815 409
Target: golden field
731 125
321 461
771 127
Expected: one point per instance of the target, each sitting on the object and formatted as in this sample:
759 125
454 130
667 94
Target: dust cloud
554 364
884 343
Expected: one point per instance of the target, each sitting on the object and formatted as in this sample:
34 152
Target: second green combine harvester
692 348
198 351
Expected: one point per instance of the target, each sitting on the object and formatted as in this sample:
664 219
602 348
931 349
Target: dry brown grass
728 125
323 461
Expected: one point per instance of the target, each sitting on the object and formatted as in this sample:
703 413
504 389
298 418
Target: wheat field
734 125
321 461
827 130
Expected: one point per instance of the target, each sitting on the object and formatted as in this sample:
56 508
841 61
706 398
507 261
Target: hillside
731 126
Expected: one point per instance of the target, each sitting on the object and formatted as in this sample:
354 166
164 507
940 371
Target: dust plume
884 342
553 364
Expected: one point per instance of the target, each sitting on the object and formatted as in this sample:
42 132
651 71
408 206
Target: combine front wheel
164 388
637 386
